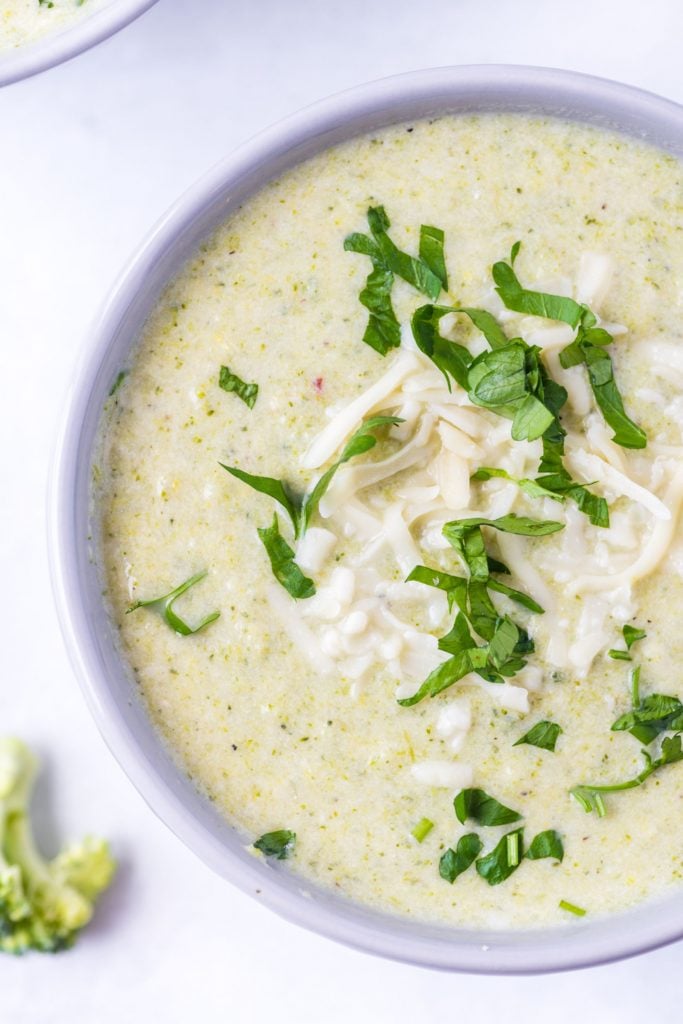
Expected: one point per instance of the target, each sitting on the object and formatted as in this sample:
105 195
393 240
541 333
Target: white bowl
107 686
57 47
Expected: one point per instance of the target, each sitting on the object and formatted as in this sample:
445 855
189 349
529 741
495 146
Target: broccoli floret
43 904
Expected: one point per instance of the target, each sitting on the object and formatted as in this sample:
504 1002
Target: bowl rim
61 46
577 945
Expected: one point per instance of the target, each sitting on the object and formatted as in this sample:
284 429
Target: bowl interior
60 46
106 682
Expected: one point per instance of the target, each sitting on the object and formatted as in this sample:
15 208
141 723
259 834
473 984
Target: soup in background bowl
376 472
36 34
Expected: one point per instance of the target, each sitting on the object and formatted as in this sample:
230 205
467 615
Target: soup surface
285 710
25 21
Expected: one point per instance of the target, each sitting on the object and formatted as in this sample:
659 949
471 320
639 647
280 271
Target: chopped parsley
532 488
631 636
454 862
505 642
118 381
588 347
301 510
427 274
280 844
229 381
285 569
544 735
503 860
164 607
653 715
590 797
546 844
482 808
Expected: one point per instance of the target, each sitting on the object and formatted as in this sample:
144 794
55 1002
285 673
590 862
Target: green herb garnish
554 477
279 844
512 382
432 255
482 808
229 381
530 487
506 642
383 331
164 607
451 358
544 735
588 347
590 797
511 523
454 862
285 569
505 858
653 715
120 377
522 300
571 908
300 510
422 829
546 844
631 636
274 489
362 441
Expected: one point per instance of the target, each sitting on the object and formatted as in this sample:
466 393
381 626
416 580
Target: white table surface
91 154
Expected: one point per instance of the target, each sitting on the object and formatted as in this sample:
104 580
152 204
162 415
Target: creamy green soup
25 21
285 711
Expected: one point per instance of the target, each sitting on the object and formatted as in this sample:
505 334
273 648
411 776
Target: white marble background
90 155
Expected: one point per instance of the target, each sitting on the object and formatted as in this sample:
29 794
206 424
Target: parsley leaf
383 330
229 381
522 300
589 348
544 735
653 715
455 587
530 487
279 844
120 377
457 530
487 324
454 862
362 441
285 569
631 636
546 844
482 808
299 510
505 858
447 674
590 797
164 607
274 489
556 478
451 358
431 253
515 595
